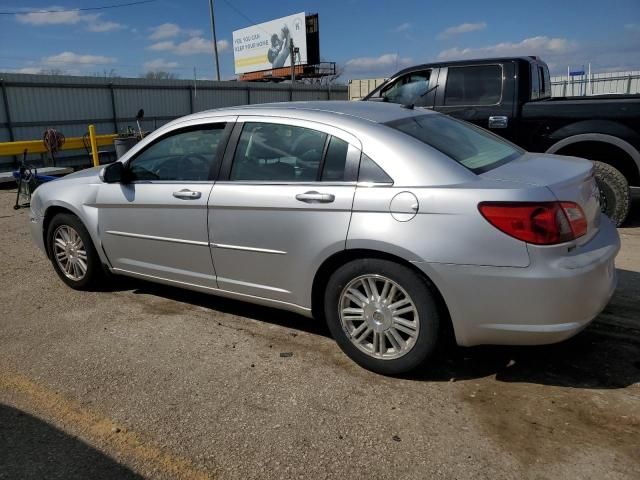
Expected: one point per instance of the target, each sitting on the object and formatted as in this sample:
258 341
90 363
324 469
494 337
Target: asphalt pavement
145 381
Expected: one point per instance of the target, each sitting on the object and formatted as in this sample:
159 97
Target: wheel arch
340 258
59 207
49 214
627 160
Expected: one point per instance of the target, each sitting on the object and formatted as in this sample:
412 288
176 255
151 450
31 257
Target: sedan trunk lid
569 179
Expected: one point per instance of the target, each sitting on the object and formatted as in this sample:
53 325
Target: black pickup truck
512 98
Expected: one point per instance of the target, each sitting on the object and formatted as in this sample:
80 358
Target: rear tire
72 253
615 196
400 325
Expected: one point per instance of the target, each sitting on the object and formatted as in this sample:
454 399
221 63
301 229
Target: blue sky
366 38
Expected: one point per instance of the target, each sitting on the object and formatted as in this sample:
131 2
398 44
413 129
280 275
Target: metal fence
596 84
32 103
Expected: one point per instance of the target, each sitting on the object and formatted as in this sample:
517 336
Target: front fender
80 201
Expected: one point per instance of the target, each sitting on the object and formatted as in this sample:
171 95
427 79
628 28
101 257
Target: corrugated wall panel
601 84
310 95
155 102
270 95
208 99
52 101
29 104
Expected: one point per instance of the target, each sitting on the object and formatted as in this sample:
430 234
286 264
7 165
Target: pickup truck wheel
615 197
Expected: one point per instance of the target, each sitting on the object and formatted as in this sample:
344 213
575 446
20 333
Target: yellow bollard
94 145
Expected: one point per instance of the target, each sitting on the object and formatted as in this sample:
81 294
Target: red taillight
541 223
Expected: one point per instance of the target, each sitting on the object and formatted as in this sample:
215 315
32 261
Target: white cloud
384 63
529 46
462 28
167 45
193 46
93 22
104 26
69 17
28 70
166 30
633 27
171 30
403 27
159 64
70 58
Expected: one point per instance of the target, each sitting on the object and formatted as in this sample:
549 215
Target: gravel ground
141 380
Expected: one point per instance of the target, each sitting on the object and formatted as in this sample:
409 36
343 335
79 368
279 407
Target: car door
479 94
155 224
281 206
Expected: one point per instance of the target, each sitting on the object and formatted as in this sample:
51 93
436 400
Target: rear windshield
471 146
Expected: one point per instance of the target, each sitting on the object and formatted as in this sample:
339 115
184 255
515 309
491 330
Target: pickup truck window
535 84
407 89
474 85
471 146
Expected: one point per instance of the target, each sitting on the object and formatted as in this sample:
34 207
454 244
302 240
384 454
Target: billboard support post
293 61
215 41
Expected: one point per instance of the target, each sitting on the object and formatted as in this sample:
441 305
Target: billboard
266 45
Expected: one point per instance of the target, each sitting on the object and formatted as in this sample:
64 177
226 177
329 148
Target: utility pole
215 41
292 52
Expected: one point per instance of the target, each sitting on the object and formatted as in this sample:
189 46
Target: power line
86 9
239 12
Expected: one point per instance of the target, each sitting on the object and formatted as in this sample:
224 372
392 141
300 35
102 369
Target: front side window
471 146
187 155
284 153
474 85
409 89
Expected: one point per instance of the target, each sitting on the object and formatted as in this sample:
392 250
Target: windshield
471 146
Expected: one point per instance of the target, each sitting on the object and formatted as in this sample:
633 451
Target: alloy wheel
70 253
379 317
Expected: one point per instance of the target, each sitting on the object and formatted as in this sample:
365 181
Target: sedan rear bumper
549 301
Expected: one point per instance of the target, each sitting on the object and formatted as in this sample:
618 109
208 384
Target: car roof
377 112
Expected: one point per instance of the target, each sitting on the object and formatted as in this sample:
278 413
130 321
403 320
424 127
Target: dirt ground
141 380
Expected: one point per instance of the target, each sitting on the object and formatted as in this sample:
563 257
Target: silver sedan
395 225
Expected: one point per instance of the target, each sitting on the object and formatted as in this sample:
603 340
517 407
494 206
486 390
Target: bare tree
327 79
107 74
160 75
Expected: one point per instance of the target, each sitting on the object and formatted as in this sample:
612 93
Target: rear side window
474 85
275 152
335 160
471 146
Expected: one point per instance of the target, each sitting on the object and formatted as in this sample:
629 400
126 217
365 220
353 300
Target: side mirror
113 173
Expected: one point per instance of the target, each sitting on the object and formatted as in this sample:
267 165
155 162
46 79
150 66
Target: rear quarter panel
447 228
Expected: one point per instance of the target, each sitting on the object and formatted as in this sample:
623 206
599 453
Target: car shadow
31 448
605 355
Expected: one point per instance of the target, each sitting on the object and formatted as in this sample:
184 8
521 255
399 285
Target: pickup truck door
483 94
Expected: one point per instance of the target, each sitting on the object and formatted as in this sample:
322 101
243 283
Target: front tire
383 315
615 196
72 253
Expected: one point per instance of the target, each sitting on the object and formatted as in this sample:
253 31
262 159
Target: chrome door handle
315 197
187 194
